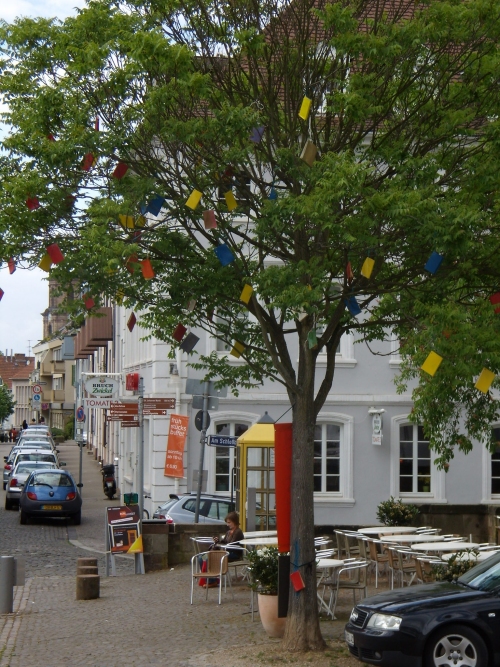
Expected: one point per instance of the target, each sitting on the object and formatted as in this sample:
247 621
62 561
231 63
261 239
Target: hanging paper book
302 316
191 304
88 161
312 340
432 363
495 301
96 124
367 268
434 262
88 301
484 380
51 137
231 202
348 272
246 293
120 170
297 581
45 263
189 342
126 221
352 305
131 322
32 203
257 134
154 205
119 297
147 269
12 265
224 255
179 332
273 195
194 199
55 253
129 264
305 108
209 220
309 153
237 349
1 294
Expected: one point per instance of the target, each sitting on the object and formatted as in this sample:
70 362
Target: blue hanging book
352 306
434 262
155 204
224 255
189 342
273 195
257 134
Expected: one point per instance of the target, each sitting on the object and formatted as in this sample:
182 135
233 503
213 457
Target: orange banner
174 466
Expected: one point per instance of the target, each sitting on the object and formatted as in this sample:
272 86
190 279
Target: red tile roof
19 366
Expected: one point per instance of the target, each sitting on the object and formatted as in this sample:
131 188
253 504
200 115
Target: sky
26 293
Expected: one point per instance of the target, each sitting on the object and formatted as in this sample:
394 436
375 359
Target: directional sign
36 389
122 418
124 408
131 424
222 441
158 406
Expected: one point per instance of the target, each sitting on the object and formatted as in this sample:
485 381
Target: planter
268 610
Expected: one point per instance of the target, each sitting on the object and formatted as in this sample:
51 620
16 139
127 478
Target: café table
261 533
446 546
272 540
387 530
411 539
328 565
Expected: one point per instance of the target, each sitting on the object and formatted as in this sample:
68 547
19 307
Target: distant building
53 321
15 372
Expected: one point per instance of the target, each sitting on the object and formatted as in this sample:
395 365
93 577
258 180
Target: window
218 510
414 460
225 456
495 462
327 458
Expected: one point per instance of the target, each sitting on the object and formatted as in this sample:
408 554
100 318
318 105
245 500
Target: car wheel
4 485
8 504
24 518
456 645
77 518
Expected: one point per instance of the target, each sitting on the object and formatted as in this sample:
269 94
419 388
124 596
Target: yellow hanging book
45 263
246 293
231 202
484 380
237 349
367 268
432 363
305 108
194 199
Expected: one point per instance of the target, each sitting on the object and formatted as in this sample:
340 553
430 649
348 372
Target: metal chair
376 557
201 543
216 568
356 583
241 562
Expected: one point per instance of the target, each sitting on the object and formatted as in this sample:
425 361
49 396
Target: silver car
27 436
44 455
9 460
18 477
181 509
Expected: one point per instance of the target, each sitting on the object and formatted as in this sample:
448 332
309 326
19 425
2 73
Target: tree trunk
302 629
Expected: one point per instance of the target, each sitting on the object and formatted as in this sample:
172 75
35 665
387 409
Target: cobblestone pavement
138 621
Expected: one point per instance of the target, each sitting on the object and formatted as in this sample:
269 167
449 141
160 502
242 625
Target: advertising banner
124 529
175 446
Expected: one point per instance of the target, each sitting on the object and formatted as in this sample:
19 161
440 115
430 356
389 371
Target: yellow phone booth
255 470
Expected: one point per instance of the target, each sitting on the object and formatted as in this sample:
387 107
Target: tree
7 403
205 95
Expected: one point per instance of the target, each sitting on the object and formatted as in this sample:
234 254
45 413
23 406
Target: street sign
36 398
102 386
198 420
98 402
36 389
124 408
122 418
131 424
36 405
196 387
222 441
80 414
158 406
213 402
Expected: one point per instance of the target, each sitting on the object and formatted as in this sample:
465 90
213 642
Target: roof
18 366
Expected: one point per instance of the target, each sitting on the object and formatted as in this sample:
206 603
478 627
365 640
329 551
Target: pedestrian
33 421
41 420
14 434
10 434
25 425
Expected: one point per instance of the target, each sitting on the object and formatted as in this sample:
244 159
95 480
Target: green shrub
264 570
56 431
69 429
457 565
394 512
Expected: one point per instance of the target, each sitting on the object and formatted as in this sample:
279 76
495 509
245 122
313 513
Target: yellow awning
258 434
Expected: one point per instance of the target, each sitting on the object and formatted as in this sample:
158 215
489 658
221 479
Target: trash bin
131 498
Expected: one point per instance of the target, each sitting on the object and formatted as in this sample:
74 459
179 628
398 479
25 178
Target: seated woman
234 534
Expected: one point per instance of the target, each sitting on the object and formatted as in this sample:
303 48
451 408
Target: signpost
80 414
222 441
36 389
158 406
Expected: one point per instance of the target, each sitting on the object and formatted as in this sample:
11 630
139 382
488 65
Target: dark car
440 624
181 509
50 493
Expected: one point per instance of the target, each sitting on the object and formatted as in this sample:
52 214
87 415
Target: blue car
50 493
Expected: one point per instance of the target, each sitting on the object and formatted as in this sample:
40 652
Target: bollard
7 574
87 586
86 570
86 562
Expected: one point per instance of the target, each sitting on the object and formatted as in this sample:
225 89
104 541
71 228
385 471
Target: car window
168 505
218 510
49 458
223 509
485 576
52 478
28 466
190 506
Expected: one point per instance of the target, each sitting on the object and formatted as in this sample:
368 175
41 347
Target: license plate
349 637
52 507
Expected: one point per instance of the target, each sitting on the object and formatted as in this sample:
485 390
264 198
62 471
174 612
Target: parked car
17 479
37 444
181 509
8 461
28 454
439 624
35 435
50 493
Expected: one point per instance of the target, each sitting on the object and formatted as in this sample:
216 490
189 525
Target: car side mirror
62 463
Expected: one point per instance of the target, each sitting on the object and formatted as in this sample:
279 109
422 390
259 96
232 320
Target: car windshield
51 479
28 466
48 458
169 504
485 576
41 445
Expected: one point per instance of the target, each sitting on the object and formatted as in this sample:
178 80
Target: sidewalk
139 620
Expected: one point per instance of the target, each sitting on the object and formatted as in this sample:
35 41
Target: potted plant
394 512
264 579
